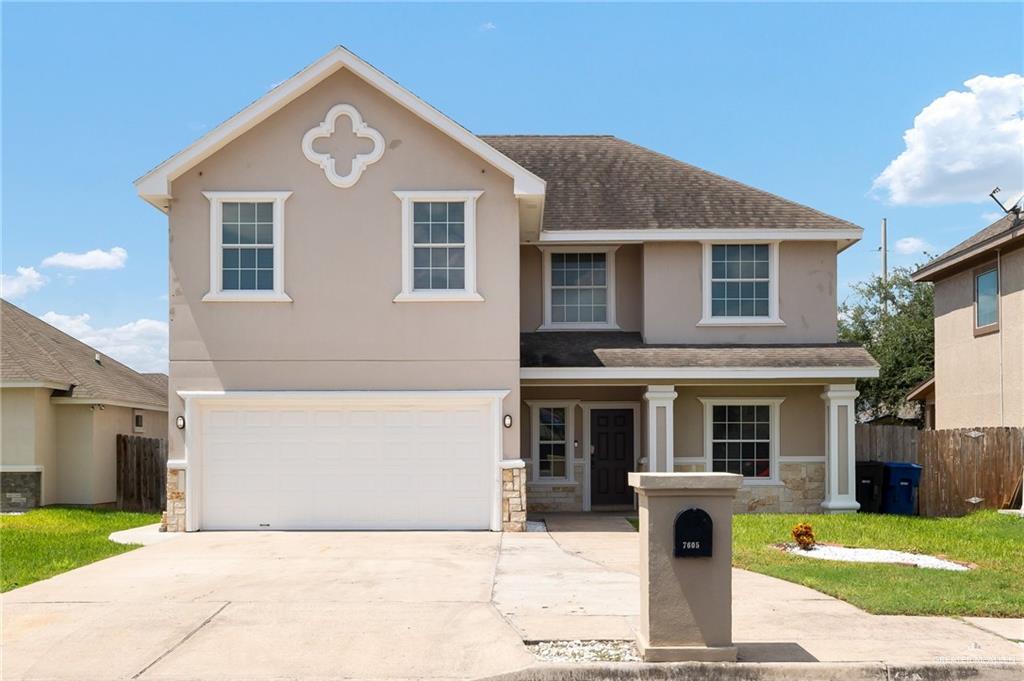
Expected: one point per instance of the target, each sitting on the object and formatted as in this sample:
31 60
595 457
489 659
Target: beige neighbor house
62 405
382 320
979 330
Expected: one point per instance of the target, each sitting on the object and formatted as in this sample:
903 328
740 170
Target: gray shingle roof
602 182
622 349
1011 222
34 351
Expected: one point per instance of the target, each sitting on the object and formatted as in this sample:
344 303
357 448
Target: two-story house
979 330
382 320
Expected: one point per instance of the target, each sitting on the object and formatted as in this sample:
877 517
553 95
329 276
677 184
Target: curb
767 671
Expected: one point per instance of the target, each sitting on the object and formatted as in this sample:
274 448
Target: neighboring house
423 328
63 405
979 330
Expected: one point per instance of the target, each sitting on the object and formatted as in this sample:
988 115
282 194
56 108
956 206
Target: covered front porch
781 416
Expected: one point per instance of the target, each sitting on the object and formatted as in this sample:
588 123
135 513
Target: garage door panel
349 466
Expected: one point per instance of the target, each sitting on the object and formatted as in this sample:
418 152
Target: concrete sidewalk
579 581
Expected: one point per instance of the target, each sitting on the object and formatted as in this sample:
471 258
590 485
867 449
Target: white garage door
348 464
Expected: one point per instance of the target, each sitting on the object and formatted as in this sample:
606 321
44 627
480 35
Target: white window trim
774 404
409 294
136 413
570 441
217 293
549 325
773 289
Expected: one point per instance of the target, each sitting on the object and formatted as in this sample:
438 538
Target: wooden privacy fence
141 473
962 470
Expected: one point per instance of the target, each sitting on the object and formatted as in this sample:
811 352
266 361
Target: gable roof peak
155 186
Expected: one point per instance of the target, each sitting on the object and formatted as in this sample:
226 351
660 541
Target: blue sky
808 101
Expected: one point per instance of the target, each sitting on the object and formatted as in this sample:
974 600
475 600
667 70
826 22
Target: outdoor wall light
508 420
180 422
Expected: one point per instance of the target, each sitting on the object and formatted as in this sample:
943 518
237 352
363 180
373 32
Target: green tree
894 320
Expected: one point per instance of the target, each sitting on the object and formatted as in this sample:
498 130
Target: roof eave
943 267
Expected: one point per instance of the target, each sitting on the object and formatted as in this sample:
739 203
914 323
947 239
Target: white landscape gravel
826 552
584 651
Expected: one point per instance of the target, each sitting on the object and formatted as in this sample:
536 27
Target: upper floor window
986 299
438 246
740 283
247 246
579 288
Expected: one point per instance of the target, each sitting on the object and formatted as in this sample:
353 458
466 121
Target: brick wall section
173 519
556 497
513 499
20 491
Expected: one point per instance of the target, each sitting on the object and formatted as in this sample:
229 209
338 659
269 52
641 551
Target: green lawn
992 542
48 541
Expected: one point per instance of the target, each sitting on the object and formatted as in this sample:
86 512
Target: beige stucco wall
673 297
75 479
28 432
343 268
628 287
968 389
108 423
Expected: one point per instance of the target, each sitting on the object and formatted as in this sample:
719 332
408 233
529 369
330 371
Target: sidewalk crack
182 641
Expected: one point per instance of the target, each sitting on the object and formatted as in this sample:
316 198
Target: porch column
660 451
840 458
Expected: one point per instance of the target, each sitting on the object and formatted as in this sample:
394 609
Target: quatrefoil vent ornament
327 162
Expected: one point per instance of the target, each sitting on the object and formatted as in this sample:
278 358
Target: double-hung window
247 246
986 299
741 436
552 441
438 246
579 288
740 284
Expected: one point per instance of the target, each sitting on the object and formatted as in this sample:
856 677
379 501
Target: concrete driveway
269 606
401 605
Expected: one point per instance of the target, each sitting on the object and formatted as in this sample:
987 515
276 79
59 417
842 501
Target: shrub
804 536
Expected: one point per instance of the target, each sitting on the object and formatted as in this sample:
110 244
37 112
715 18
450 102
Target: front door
611 457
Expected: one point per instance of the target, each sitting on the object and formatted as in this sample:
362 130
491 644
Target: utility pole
885 253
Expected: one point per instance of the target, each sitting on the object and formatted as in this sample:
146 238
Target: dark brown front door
611 436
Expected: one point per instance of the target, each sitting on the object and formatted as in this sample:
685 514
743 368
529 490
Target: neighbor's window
247 246
552 442
579 287
741 439
138 425
986 299
740 280
439 245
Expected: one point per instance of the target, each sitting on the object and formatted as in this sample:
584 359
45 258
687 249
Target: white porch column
660 450
840 452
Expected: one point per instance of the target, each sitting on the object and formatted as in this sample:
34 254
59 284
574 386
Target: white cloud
27 280
488 26
141 344
962 146
912 245
96 259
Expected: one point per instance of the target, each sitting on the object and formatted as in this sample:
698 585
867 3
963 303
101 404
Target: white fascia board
108 403
688 373
155 186
845 237
363 396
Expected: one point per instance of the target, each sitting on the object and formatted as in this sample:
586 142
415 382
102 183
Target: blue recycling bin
900 488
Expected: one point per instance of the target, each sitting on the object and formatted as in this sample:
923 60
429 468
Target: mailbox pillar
685 601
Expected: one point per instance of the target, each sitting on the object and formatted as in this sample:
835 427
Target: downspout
999 312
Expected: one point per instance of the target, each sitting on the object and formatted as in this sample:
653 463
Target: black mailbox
693 532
